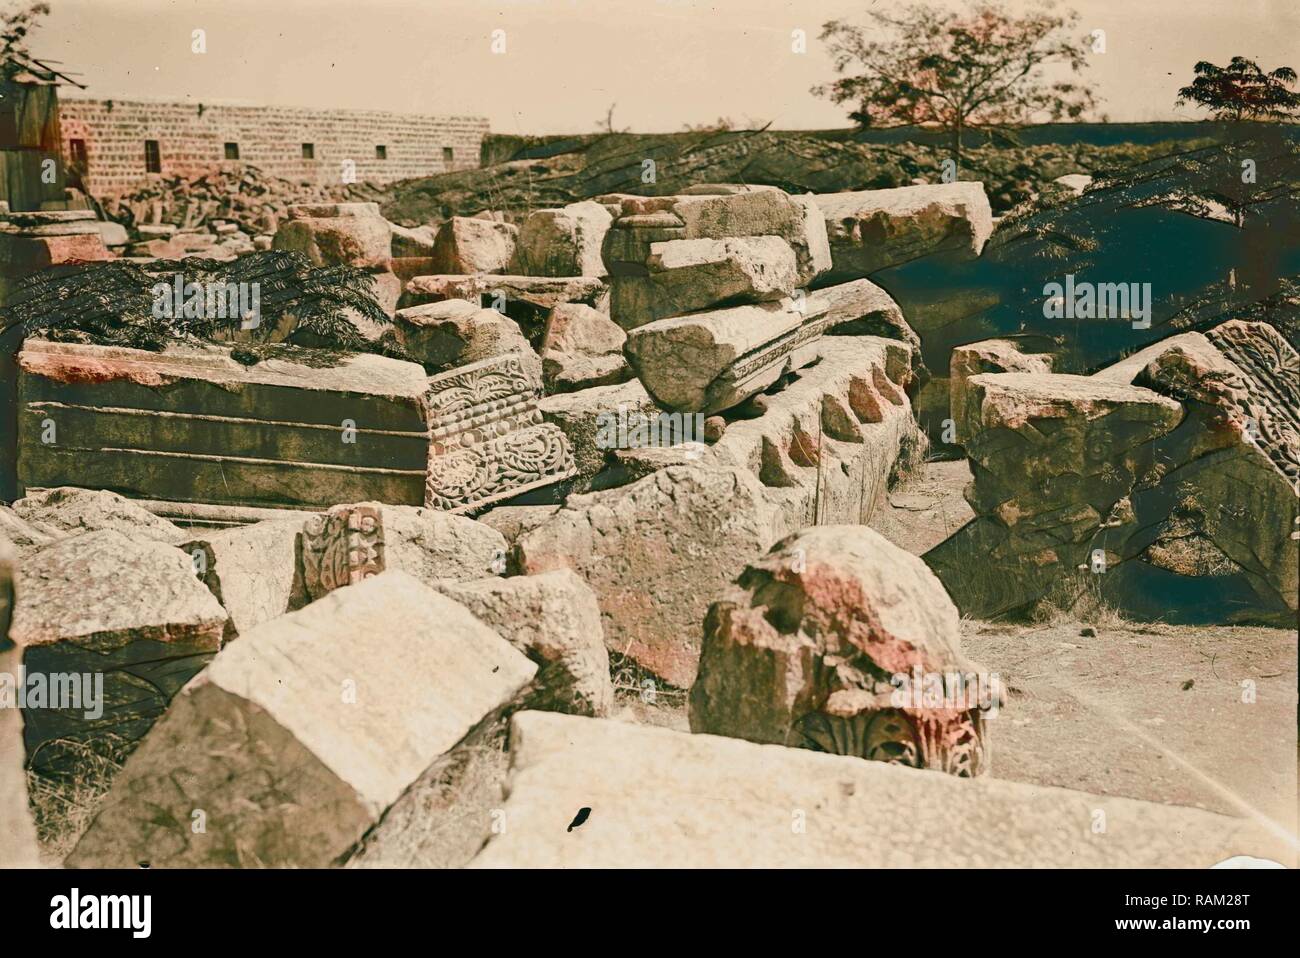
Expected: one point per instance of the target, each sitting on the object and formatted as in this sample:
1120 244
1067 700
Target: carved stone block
487 438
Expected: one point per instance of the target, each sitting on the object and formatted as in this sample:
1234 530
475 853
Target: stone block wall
192 138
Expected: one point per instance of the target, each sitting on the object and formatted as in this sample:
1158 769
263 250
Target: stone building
120 143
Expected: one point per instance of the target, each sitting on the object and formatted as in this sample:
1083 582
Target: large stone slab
658 798
191 424
487 439
338 234
874 229
562 242
472 245
656 552
707 362
455 332
839 641
298 736
129 617
541 292
682 276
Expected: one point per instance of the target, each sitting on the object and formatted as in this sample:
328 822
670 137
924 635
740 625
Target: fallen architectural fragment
987 356
252 570
562 242
581 347
599 420
661 798
487 439
874 229
118 625
839 641
191 424
538 292
1168 483
456 332
345 234
670 255
655 552
552 618
472 245
711 361
297 737
354 542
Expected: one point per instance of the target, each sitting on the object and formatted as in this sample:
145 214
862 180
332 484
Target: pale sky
663 62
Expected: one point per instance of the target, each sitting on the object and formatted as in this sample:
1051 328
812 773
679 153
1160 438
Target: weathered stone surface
839 641
455 332
656 553
472 245
760 211
513 521
590 418
552 618
337 234
1054 458
298 736
251 570
541 292
488 441
1074 182
191 424
562 242
417 241
1225 506
581 347
24 534
874 229
73 511
129 612
988 356
711 361
359 540
17 834
682 276
826 445
661 798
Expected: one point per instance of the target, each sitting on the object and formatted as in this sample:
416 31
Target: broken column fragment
295 739
837 640
190 424
487 439
122 621
711 361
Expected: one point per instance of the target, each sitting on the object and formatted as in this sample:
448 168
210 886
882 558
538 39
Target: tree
984 69
14 27
1242 91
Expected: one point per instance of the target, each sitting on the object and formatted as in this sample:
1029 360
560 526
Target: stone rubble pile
639 435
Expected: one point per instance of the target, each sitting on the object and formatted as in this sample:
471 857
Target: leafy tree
15 24
1242 91
983 69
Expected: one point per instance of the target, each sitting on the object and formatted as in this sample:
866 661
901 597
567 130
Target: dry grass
64 804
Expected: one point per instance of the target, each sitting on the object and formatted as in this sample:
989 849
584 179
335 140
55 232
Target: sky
661 63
